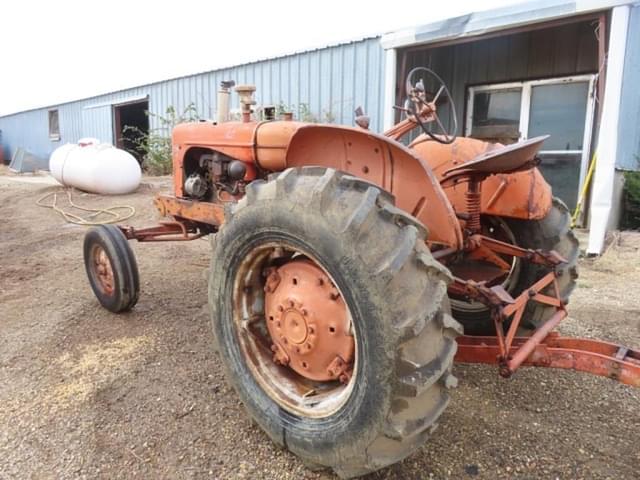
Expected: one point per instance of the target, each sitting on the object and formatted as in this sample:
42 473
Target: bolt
304 312
280 308
291 304
279 357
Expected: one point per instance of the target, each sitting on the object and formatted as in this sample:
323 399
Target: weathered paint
278 145
524 195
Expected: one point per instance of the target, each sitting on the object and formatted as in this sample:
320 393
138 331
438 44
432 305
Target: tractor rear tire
111 268
553 232
395 292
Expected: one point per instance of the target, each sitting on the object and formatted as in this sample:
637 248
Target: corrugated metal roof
324 84
480 23
180 77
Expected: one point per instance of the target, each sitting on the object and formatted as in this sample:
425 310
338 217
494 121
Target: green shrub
631 215
156 144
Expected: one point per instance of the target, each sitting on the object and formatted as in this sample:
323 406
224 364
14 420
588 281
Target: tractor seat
508 159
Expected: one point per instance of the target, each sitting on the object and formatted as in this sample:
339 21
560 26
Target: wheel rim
295 330
102 270
497 228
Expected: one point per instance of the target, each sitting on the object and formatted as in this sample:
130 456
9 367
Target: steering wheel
423 96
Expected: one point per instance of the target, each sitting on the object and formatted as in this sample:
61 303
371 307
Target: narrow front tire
111 268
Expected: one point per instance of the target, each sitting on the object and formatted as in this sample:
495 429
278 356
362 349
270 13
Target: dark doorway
131 124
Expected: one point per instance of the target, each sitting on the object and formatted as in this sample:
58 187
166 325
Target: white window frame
54 136
525 105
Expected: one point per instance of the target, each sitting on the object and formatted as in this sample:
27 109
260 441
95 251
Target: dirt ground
88 394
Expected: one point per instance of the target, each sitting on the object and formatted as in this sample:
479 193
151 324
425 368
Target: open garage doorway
131 124
523 82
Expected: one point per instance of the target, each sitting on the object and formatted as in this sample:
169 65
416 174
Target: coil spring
472 199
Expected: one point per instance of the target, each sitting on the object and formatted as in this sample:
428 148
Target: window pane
54 125
496 115
562 172
559 110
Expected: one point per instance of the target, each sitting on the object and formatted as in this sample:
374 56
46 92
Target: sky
62 50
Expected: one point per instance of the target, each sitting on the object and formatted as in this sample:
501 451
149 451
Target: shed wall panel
629 125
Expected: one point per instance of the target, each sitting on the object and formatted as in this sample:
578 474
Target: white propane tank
95 167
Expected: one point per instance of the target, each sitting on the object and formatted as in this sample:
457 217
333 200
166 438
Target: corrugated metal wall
328 84
552 52
629 126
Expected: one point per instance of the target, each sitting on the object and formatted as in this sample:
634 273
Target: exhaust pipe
223 100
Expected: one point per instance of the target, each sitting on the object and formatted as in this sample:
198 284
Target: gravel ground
88 394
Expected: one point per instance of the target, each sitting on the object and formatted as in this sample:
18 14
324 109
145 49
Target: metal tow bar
584 355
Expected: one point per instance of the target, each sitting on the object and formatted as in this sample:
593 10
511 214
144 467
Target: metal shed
327 83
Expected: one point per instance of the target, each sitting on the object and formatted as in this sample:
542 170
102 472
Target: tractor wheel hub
294 326
308 322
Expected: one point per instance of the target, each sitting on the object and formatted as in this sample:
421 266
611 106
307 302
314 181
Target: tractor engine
212 176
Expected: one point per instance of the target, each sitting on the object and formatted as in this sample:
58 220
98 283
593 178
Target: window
496 114
54 125
560 107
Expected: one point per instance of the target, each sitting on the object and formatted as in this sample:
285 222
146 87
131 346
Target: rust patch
308 322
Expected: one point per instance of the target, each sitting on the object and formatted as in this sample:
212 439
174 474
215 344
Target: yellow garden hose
583 191
112 212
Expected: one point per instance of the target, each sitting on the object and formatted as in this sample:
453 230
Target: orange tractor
346 264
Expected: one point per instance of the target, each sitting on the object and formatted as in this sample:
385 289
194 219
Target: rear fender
366 155
524 195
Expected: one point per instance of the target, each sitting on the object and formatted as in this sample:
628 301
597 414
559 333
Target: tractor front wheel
331 319
111 268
